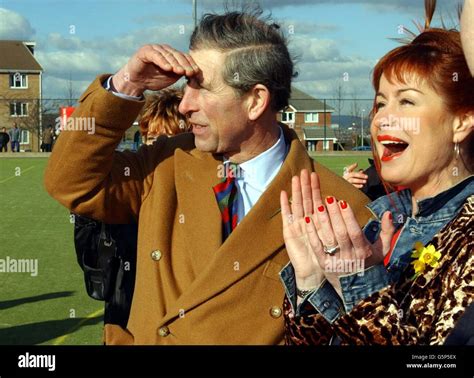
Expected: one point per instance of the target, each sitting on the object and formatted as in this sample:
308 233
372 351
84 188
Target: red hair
436 57
160 115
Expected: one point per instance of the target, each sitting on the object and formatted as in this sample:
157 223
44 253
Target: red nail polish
307 219
330 200
321 209
390 216
343 204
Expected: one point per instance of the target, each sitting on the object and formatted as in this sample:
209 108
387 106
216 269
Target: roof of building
302 102
16 56
317 133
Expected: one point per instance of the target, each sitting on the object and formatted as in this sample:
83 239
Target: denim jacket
433 214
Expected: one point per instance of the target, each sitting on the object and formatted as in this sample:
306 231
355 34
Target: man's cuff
358 286
107 84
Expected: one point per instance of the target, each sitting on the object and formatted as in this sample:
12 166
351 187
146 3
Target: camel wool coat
190 287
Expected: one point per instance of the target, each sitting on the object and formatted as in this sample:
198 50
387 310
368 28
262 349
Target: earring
456 151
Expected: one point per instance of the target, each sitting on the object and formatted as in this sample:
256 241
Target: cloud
320 64
407 6
68 57
298 27
14 26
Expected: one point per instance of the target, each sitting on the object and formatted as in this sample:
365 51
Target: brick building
20 91
309 117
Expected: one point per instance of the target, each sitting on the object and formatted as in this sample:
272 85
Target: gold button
275 312
156 255
164 331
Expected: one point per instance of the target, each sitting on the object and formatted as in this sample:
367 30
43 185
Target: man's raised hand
153 67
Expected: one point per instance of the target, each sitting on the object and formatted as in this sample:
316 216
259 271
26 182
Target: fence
346 118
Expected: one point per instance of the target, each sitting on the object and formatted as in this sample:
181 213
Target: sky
76 40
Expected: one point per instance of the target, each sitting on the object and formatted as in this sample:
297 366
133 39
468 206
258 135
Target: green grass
38 310
337 163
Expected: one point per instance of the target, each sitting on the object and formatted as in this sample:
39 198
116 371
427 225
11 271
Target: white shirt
256 174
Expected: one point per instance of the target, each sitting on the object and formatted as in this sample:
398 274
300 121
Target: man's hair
257 52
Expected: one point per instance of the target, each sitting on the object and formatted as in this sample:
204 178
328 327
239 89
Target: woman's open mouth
393 147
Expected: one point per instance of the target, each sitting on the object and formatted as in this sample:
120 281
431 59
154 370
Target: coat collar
258 236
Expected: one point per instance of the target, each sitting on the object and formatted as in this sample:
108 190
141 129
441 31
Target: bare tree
338 98
355 104
70 92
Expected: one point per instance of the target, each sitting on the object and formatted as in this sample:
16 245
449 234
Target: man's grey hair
257 52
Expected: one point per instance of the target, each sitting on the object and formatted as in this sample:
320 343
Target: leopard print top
421 311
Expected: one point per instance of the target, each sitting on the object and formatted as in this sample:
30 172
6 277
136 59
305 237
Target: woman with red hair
161 116
408 276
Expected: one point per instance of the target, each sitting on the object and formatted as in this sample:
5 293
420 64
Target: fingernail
330 200
343 204
307 219
321 209
390 216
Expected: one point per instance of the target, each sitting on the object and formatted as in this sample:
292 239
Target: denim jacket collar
441 206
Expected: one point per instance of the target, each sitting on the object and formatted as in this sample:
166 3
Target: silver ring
331 250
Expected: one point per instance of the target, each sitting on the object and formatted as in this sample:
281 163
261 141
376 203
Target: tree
70 92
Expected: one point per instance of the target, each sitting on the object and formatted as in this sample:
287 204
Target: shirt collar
451 200
259 171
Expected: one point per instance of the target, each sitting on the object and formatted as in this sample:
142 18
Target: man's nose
189 102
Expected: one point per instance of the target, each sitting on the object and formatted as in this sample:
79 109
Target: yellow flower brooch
424 256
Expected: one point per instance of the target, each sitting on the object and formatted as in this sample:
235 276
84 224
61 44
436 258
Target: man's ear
258 101
463 126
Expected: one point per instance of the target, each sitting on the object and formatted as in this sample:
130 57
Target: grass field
52 307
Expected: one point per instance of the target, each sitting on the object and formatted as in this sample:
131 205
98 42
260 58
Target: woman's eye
379 105
406 102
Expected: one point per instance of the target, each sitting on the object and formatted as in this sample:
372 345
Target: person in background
161 115
47 139
107 252
367 181
15 135
409 277
4 139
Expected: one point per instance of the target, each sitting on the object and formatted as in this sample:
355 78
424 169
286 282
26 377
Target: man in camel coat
195 284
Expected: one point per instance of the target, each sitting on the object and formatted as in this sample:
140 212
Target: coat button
275 312
164 331
156 255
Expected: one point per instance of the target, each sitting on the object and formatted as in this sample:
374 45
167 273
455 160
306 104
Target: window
288 117
24 137
311 117
18 109
18 80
